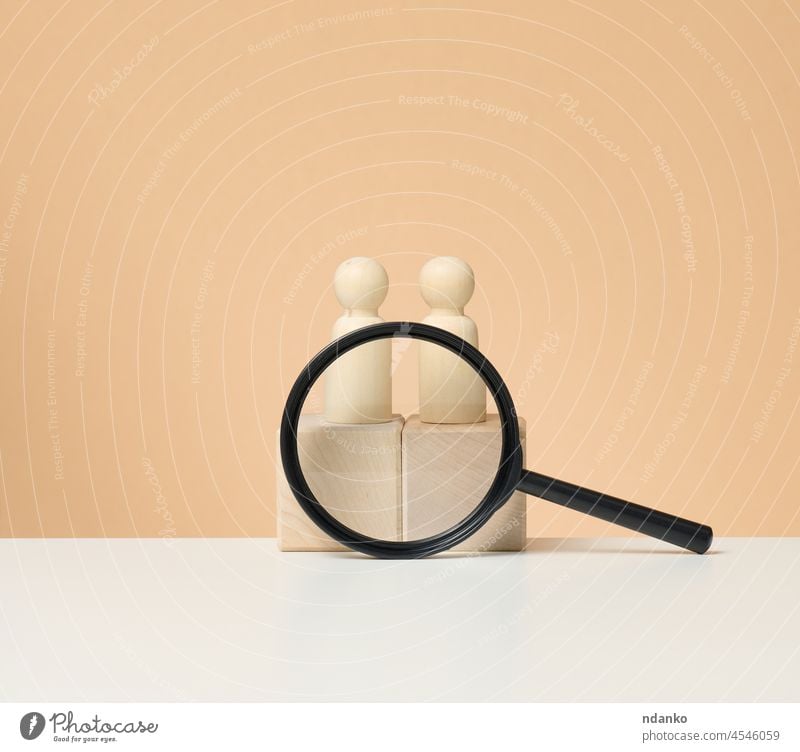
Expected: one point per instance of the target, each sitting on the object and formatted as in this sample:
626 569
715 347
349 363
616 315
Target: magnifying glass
510 475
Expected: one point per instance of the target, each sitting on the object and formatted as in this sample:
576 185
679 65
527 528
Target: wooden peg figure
450 390
358 385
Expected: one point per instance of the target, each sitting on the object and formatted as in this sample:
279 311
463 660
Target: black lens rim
509 469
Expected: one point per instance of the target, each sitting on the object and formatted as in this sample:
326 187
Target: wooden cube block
354 471
447 469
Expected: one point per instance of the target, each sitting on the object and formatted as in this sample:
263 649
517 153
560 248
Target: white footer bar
391 727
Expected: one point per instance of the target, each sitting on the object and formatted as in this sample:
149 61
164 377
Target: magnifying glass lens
395 442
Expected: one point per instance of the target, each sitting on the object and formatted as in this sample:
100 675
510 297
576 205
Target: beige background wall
178 182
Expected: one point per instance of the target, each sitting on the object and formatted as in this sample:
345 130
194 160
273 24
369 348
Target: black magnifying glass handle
667 527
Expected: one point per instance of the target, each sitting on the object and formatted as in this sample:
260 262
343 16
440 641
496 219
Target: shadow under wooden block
354 471
447 469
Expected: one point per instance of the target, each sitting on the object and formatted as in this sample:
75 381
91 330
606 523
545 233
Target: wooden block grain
447 469
354 471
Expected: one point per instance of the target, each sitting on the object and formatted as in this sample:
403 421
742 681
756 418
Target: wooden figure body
450 390
358 386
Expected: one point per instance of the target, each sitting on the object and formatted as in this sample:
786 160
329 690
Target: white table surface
237 620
